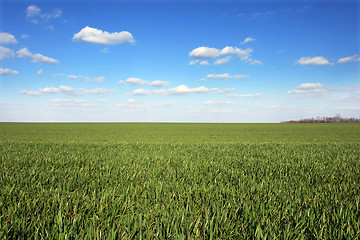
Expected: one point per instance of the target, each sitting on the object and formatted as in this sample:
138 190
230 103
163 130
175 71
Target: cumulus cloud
121 82
7 38
313 61
136 81
6 53
308 88
96 36
226 76
159 83
37 58
349 59
6 71
40 71
248 39
66 90
204 52
211 53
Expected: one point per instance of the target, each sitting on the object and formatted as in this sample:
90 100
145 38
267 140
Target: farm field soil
179 181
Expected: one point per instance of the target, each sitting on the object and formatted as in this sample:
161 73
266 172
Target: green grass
179 181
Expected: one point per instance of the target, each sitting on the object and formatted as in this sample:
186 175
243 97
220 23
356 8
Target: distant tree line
336 119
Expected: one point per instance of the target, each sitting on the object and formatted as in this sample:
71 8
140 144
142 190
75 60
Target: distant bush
336 119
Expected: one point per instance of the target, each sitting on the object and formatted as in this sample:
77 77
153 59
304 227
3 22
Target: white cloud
104 50
204 63
140 91
210 53
308 88
132 103
204 52
219 103
159 83
58 75
226 76
348 108
38 58
183 89
88 79
40 71
71 102
7 38
32 11
313 61
24 53
6 53
6 71
136 81
102 100
24 36
179 90
72 76
256 62
193 62
100 91
222 60
93 35
256 95
121 82
66 90
243 54
349 59
248 39
99 79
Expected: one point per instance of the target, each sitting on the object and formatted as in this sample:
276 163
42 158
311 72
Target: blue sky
182 61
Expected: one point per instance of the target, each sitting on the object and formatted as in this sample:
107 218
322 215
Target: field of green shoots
179 181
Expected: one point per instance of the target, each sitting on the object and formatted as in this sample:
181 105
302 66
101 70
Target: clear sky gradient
178 61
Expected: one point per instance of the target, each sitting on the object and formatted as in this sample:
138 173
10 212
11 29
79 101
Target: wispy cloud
6 71
67 91
226 76
71 102
134 104
97 36
35 15
256 95
307 88
37 58
248 39
314 61
353 58
179 90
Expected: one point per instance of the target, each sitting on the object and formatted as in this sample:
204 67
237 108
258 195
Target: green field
179 181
